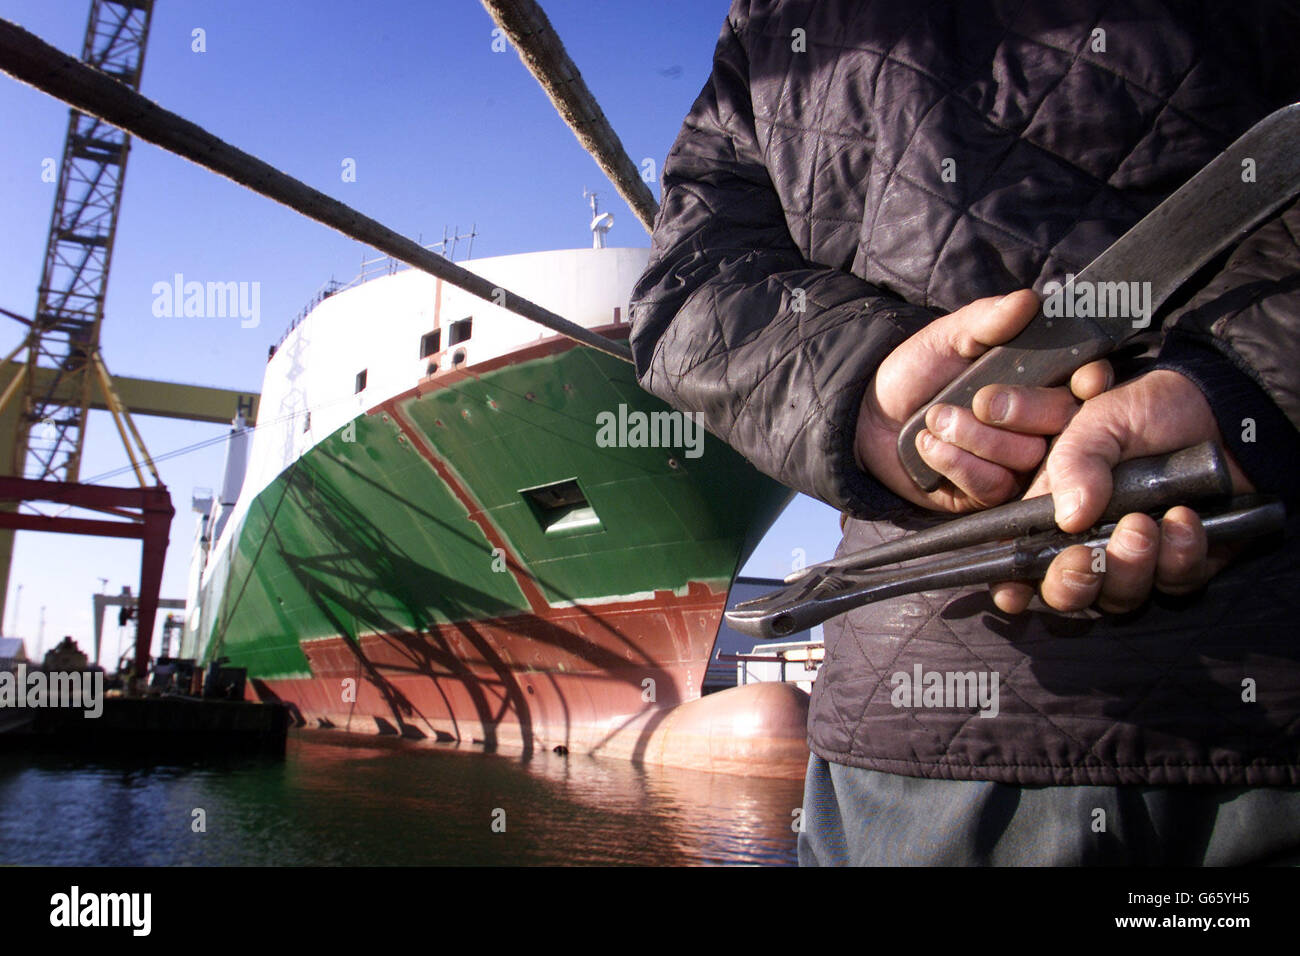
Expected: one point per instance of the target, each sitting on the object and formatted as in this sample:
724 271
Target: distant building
67 656
12 653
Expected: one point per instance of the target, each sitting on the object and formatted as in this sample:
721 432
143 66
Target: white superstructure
367 343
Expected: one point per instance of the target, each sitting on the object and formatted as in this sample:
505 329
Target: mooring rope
529 29
30 59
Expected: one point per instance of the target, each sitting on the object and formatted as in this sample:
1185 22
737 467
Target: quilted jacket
851 171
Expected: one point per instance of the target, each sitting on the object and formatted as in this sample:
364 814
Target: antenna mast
601 222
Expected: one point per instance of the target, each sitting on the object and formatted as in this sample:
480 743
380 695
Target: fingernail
1078 580
927 440
943 417
1067 504
1135 541
1179 534
1000 406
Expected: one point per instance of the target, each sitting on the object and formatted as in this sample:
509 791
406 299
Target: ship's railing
319 296
370 269
803 656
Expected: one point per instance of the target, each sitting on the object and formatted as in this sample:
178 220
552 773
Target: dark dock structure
165 727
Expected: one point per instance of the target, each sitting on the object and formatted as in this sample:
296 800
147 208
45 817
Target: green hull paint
363 536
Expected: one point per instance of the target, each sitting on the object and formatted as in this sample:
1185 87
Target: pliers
822 591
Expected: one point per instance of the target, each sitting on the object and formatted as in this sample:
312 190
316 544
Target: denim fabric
867 818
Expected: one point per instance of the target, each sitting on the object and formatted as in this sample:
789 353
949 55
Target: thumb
918 369
970 331
1080 464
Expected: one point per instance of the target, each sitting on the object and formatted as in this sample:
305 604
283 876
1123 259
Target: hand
987 453
1159 412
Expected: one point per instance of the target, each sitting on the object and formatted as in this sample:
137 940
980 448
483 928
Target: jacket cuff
1269 453
854 491
861 494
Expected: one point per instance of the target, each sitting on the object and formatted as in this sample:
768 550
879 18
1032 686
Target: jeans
868 818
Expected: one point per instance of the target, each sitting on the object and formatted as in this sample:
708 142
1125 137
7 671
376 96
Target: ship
427 535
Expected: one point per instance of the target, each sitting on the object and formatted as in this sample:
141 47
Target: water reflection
339 800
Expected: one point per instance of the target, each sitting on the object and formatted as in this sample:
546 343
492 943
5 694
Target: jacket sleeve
1238 340
729 320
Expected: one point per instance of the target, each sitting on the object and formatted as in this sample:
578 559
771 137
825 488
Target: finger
1039 485
1070 583
1182 566
918 369
973 330
1129 564
1079 467
985 483
959 426
1035 411
1011 597
962 336
1089 381
1156 413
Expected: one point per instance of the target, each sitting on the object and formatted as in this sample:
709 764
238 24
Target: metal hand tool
823 591
1214 209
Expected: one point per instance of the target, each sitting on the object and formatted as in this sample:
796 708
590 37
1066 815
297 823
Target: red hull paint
574 677
620 679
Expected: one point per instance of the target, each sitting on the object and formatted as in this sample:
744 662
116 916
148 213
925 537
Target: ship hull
406 576
564 677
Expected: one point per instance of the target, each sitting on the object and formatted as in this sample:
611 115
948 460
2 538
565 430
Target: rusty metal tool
1191 474
978 552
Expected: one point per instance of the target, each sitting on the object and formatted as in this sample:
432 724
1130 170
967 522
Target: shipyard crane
63 366
45 398
63 337
118 103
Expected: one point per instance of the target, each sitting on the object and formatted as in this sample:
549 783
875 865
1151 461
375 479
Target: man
857 206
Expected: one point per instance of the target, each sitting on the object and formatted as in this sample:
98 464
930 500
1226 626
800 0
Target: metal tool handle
1251 516
1028 359
814 600
1141 484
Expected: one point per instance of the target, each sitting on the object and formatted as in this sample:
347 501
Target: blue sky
444 132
